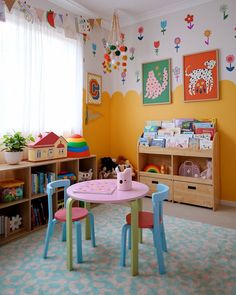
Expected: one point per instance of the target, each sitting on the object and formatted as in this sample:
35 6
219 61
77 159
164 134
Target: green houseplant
14 145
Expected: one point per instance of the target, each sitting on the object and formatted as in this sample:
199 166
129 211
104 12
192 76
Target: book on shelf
4 226
40 181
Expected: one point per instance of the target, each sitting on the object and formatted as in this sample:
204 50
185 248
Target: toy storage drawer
152 183
193 193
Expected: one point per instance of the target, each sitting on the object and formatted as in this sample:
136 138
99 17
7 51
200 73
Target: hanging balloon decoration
115 56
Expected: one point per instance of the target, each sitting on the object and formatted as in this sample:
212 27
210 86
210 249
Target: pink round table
104 191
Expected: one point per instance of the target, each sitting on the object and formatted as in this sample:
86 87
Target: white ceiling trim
185 4
78 9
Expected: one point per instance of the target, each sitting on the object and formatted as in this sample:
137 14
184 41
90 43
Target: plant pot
13 158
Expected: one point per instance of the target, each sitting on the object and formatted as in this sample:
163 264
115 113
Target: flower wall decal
177 42
94 49
140 33
132 50
189 20
207 34
223 9
230 59
156 45
163 26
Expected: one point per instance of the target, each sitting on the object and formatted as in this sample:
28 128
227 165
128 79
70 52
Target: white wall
207 16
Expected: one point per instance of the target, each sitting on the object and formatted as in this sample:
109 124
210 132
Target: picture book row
39 214
179 133
9 224
39 180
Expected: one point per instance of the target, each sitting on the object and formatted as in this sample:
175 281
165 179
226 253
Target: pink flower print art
153 87
207 34
156 82
177 42
140 33
230 60
156 46
189 20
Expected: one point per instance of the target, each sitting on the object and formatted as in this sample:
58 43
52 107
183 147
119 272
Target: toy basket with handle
190 169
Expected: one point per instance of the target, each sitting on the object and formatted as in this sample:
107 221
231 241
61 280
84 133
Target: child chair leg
49 234
129 238
123 243
92 230
159 253
79 242
163 238
63 238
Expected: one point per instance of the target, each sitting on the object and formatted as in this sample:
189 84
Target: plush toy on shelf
107 169
125 163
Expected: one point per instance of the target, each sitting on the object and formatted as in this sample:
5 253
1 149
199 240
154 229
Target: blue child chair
60 216
153 221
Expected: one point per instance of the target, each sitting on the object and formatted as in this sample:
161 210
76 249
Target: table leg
134 237
140 231
69 233
87 223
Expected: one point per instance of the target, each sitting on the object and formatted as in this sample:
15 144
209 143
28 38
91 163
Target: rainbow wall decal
77 147
152 168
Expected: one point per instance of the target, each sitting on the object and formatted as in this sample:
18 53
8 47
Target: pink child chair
60 216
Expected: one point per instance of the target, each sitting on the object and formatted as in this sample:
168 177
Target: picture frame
200 76
94 89
156 82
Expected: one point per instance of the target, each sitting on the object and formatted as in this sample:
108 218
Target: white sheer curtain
41 78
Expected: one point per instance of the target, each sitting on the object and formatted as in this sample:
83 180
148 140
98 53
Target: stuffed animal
107 169
207 173
124 163
85 175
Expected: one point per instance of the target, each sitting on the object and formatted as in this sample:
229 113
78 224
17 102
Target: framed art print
201 82
94 89
156 82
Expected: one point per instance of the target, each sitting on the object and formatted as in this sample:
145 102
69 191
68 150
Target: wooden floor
225 216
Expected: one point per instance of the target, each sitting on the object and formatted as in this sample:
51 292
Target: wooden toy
77 147
47 146
152 168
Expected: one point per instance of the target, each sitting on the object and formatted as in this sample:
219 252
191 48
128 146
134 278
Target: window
41 78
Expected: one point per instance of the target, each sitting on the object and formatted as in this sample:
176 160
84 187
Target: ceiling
129 11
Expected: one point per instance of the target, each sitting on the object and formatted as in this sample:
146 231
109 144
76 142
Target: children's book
96 187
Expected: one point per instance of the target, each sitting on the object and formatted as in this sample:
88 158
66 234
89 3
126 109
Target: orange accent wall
97 130
128 116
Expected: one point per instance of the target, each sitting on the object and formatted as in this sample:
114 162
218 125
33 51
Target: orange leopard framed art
200 76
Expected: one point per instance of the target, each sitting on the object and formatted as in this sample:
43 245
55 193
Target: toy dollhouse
46 147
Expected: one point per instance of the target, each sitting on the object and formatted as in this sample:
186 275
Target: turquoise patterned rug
201 260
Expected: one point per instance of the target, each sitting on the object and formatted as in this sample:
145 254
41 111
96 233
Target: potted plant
14 145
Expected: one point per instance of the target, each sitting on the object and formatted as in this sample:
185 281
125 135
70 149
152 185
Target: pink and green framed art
94 89
156 82
200 71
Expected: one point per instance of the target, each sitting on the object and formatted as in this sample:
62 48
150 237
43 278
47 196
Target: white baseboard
228 203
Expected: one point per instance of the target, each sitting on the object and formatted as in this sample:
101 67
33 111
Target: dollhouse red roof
45 140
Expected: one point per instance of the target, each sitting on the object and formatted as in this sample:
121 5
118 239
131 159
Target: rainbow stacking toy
77 147
152 168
